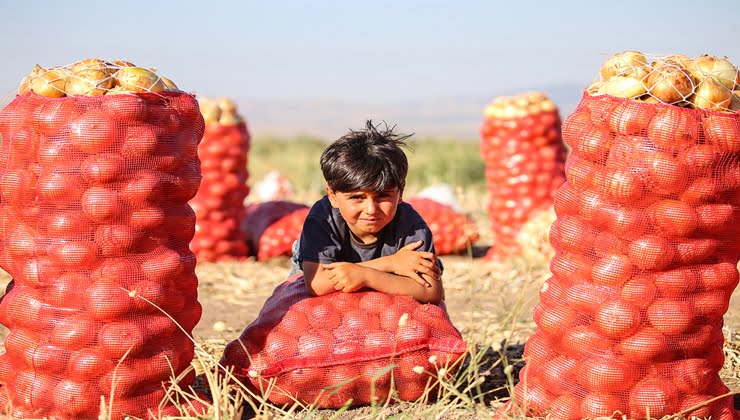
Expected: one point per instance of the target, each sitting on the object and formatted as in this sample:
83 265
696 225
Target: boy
360 234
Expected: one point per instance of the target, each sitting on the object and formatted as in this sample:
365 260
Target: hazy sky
360 51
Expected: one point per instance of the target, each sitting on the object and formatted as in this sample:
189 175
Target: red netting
328 349
270 228
94 229
646 244
524 156
219 204
453 232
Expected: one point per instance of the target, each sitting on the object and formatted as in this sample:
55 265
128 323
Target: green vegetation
457 163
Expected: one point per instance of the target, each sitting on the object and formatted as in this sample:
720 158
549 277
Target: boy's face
366 213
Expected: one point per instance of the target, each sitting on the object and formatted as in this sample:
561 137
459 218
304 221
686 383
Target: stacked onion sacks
219 204
270 228
94 229
453 232
524 155
647 241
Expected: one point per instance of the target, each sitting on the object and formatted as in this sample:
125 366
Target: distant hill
453 117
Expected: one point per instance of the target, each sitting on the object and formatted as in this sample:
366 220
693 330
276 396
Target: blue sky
376 52
365 51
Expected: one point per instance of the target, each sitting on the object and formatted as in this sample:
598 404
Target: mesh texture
219 204
453 232
524 155
95 225
328 349
646 242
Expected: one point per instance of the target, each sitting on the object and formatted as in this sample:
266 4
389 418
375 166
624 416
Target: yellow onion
489 112
88 82
50 83
719 68
226 105
169 84
139 79
682 60
121 63
626 63
649 99
711 94
26 82
229 118
670 83
210 111
624 87
117 90
735 101
595 88
93 64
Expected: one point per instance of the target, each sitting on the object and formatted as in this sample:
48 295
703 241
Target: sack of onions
267 241
219 204
453 232
524 156
345 348
99 160
278 238
647 244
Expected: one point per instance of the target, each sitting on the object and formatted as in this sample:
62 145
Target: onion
595 88
229 118
624 87
137 79
117 90
93 64
50 83
711 94
169 84
26 82
89 82
735 101
226 105
682 60
121 63
719 68
670 83
210 110
649 99
627 63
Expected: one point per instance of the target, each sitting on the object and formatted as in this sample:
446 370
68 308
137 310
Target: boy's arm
408 263
316 278
348 277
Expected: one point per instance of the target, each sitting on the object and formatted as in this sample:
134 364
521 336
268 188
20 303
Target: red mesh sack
646 242
94 229
277 238
330 349
524 156
260 216
219 204
453 232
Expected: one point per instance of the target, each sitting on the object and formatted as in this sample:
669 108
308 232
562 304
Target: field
490 303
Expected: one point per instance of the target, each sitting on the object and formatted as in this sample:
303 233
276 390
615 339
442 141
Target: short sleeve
421 232
319 243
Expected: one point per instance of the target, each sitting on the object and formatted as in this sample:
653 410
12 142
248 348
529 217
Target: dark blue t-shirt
326 237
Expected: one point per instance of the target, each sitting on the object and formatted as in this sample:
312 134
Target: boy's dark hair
369 159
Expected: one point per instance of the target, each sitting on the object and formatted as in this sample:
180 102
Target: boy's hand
346 277
418 265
